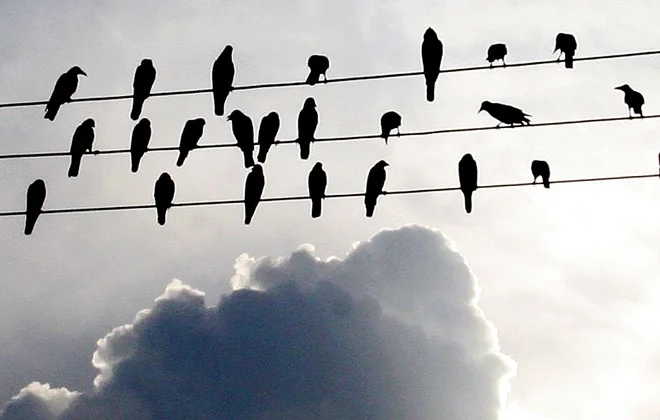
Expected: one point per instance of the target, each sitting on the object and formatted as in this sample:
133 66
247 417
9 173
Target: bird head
227 51
147 62
200 121
484 106
257 168
77 70
309 103
318 165
235 113
89 122
382 164
624 88
430 34
145 121
467 156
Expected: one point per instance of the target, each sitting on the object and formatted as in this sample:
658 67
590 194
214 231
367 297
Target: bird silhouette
145 76
163 195
36 195
388 122
65 86
496 52
222 78
431 58
82 141
540 168
318 65
268 128
254 187
192 132
467 177
140 142
566 44
375 184
317 181
505 114
241 126
308 120
633 99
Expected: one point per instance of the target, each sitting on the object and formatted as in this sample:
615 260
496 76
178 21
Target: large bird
82 141
431 59
241 126
145 76
505 114
308 120
388 122
566 44
375 184
317 181
65 86
467 177
540 168
633 99
36 195
190 135
140 142
318 65
254 187
163 195
496 52
268 128
222 78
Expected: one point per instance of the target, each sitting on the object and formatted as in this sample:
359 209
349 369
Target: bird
241 126
431 58
505 114
268 128
192 132
317 181
388 122
82 141
540 168
633 99
318 65
375 184
163 195
566 44
467 176
222 78
308 120
36 195
140 142
496 52
145 76
65 86
254 187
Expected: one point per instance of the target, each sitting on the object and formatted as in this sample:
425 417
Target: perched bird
65 86
140 142
316 183
505 114
566 44
467 177
388 122
431 58
375 184
540 168
254 187
163 195
36 195
222 78
318 65
308 120
633 99
268 128
496 52
145 76
190 136
241 126
82 141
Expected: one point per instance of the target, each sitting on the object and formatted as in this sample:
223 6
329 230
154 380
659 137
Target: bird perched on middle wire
36 195
318 65
505 114
268 128
82 141
467 177
163 196
65 86
145 76
566 44
222 78
241 126
308 120
375 184
388 122
317 181
496 52
633 99
140 142
192 132
254 187
431 59
540 168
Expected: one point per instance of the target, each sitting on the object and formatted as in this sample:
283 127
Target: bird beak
619 88
480 109
83 73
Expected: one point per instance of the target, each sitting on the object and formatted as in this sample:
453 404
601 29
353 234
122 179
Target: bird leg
491 64
498 125
398 133
629 114
503 63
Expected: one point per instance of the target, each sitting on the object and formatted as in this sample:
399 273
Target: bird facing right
375 184
36 195
163 196
432 51
308 120
254 187
65 86
317 181
318 65
145 76
222 79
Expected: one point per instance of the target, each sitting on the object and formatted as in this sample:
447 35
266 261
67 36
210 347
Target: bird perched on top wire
566 44
254 187
222 78
318 65
496 52
308 120
375 184
65 86
388 122
505 114
163 196
241 126
633 99
190 135
36 195
268 128
317 181
540 168
82 141
140 142
431 59
145 76
467 177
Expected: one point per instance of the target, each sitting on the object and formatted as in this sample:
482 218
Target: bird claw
96 152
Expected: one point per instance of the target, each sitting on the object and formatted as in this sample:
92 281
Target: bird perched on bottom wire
496 52
388 122
192 132
145 76
268 128
163 195
566 44
254 187
633 99
318 65
540 168
467 177
317 181
65 86
505 114
241 126
308 120
82 141
140 142
432 50
222 78
375 184
36 195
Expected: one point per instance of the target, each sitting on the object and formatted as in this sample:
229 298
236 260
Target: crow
318 65
222 78
36 195
163 195
388 122
540 168
375 184
496 52
268 128
82 141
192 132
145 76
467 176
633 99
254 187
65 86
506 114
566 44
308 120
317 181
140 142
241 126
431 58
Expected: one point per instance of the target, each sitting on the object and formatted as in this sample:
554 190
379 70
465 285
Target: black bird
145 76
566 44
190 136
163 195
316 183
633 99
496 52
467 177
268 128
388 122
36 195
375 184
65 86
254 187
222 78
505 114
540 168
82 141
308 120
241 126
318 65
140 142
431 58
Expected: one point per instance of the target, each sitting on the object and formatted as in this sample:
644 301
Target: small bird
633 99
318 65
317 181
65 86
222 78
241 126
540 168
140 142
375 184
163 195
496 52
506 114
82 141
254 187
388 122
467 177
268 128
566 44
192 132
308 120
431 59
145 76
36 195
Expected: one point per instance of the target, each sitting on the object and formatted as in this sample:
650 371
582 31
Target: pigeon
190 135
431 59
254 187
140 142
467 176
268 128
308 120
375 184
241 126
540 168
566 44
633 99
505 114
65 86
36 195
388 122
163 195
316 183
496 52
145 76
82 141
318 65
222 78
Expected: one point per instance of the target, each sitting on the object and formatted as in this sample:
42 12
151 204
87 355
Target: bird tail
51 111
249 212
370 205
30 221
261 156
546 182
569 61
430 91
162 211
304 149
219 99
136 110
384 135
74 168
183 154
316 208
135 163
468 201
313 78
248 160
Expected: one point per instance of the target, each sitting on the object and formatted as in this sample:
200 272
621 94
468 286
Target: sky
540 304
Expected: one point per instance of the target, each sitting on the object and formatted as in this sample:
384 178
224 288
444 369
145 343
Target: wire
337 80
